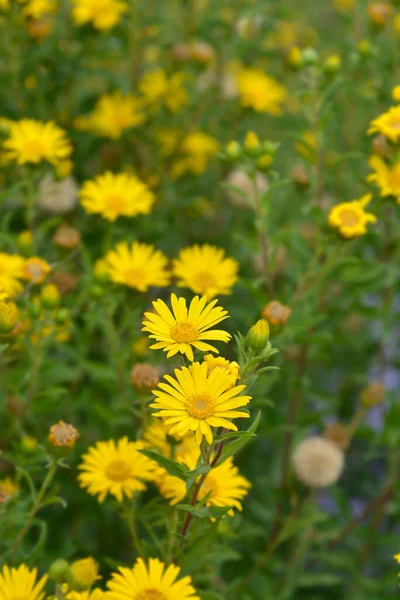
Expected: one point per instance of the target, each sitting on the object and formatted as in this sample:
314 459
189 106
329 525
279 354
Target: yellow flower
35 9
36 269
197 400
396 24
85 572
197 149
347 5
251 141
21 583
379 12
102 14
8 487
387 177
258 335
350 218
397 557
152 582
139 266
11 270
230 368
33 141
112 115
158 436
116 468
158 90
205 270
95 594
223 486
9 315
260 92
388 124
179 331
4 5
118 195
396 93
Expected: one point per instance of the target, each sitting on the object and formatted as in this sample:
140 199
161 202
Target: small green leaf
234 447
193 475
204 512
173 468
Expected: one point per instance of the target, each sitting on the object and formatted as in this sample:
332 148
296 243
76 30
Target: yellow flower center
115 203
349 218
134 277
204 280
185 332
200 406
118 470
33 148
151 594
209 485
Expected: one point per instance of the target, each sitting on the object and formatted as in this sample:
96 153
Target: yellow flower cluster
386 167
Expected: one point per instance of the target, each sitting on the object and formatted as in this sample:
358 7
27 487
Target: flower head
258 335
379 12
388 124
33 142
113 115
205 270
35 9
21 583
260 92
113 196
36 269
154 581
230 368
102 14
350 218
157 90
197 150
158 436
318 462
139 266
144 376
223 485
9 316
11 271
85 572
95 594
63 435
179 330
276 313
116 468
196 400
386 177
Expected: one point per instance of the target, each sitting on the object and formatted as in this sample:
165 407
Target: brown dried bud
63 435
338 434
300 175
66 282
67 237
276 313
372 394
144 376
380 145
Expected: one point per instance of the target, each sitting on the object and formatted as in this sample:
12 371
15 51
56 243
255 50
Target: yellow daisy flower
11 270
158 436
85 572
197 149
102 14
397 557
197 400
4 5
183 328
33 141
95 594
350 218
112 115
118 195
21 583
35 9
205 270
36 269
157 90
116 468
260 92
388 124
152 582
230 368
223 485
139 266
387 177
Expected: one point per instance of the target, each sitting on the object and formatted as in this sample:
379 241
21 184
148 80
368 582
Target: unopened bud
258 335
309 57
24 242
50 296
233 149
59 570
9 315
372 395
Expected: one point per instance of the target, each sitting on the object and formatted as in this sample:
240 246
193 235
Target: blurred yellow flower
396 24
33 141
196 400
230 368
260 92
346 5
116 468
8 487
158 90
9 315
113 114
386 177
388 124
396 93
138 266
35 9
4 5
185 327
206 270
11 270
197 149
85 572
223 485
350 218
95 594
36 269
102 14
13 580
115 195
379 12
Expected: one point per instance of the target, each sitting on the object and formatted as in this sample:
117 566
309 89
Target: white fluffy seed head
318 462
240 180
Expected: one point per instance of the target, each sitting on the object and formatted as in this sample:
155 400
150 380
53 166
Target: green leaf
173 468
193 475
234 447
204 512
320 579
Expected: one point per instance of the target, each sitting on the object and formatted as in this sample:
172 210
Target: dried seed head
63 435
318 462
144 376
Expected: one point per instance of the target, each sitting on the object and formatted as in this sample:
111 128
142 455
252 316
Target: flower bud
372 394
233 150
379 12
332 64
9 315
264 162
28 444
50 296
252 143
100 271
309 57
62 316
338 434
258 336
62 438
58 570
144 377
24 242
97 291
300 176
294 58
66 237
82 574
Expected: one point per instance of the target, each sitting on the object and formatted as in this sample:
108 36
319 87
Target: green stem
130 517
35 508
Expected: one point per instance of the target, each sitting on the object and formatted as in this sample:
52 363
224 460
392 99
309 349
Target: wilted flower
63 435
276 313
338 434
57 197
67 237
318 462
245 196
144 376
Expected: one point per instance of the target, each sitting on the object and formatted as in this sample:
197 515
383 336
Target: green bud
59 570
233 150
309 57
258 336
62 316
97 291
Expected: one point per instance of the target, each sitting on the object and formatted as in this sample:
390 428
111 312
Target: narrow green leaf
233 447
173 468
204 512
